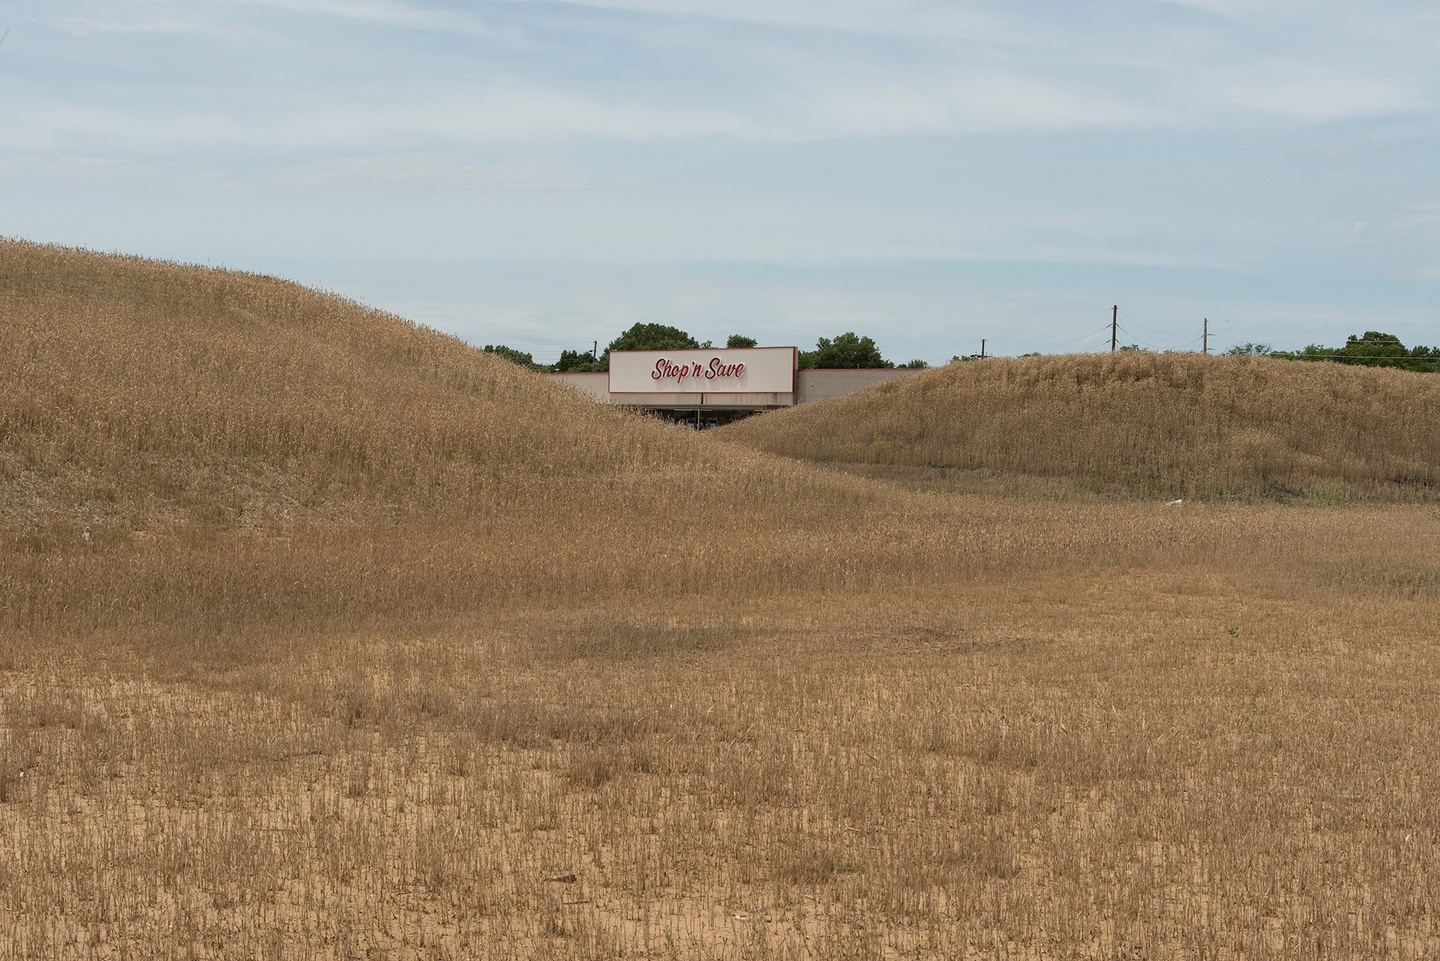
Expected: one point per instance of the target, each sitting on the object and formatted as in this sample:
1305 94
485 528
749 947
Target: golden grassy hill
247 451
253 456
141 392
1154 425
338 459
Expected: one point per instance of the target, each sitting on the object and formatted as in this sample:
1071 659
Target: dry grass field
380 647
1133 424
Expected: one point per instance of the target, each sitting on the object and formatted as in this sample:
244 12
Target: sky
930 174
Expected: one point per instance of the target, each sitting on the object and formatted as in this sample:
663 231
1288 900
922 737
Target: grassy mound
140 393
252 458
1154 425
246 451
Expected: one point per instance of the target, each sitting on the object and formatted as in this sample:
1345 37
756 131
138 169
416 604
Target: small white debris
1175 503
86 535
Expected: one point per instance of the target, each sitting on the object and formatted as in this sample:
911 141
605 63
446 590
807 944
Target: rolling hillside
140 392
1139 424
252 457
325 636
245 451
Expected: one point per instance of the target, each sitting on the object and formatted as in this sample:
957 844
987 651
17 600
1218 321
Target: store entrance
703 418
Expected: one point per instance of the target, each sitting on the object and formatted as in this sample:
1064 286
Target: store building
713 386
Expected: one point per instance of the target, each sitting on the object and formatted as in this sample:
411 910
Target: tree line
847 350
851 350
1371 349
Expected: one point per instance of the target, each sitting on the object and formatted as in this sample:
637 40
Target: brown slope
1148 424
138 391
257 460
248 453
245 450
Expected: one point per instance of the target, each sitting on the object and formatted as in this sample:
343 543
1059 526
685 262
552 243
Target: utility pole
1114 325
1205 337
982 348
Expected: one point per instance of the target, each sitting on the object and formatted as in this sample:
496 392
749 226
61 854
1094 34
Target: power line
1096 333
1137 341
1152 329
1069 318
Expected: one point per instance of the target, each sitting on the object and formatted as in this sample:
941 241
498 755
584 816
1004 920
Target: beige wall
813 385
596 385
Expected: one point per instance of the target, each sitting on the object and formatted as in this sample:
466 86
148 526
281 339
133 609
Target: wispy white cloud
162 25
161 16
886 17
828 101
379 11
1010 76
838 101
1298 90
250 20
862 103
419 16
430 172
1422 219
261 122
1236 8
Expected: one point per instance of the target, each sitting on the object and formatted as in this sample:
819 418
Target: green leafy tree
1310 352
650 337
1425 359
1249 350
740 340
572 361
511 354
849 350
916 364
653 337
1371 349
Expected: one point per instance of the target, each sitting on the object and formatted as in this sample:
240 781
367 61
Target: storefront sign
742 370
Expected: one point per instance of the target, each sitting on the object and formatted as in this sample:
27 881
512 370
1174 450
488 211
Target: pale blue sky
547 174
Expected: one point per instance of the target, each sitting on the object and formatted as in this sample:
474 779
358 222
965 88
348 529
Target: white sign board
735 370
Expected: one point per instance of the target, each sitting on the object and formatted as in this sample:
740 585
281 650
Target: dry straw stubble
492 672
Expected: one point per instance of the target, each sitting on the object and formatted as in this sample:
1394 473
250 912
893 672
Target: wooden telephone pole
1114 325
